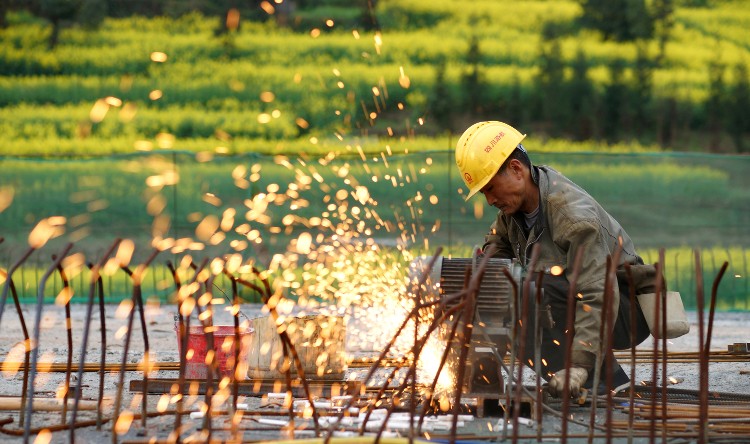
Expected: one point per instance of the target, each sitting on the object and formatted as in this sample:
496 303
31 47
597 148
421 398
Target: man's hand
577 377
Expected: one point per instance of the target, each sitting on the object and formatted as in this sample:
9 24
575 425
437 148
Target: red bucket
195 365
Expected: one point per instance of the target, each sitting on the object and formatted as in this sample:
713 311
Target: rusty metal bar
9 285
703 366
569 330
95 283
26 355
464 342
35 344
659 289
103 339
538 354
535 250
69 336
136 277
513 338
714 293
633 328
663 302
182 332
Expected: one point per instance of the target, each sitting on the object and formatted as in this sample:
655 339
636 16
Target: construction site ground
724 377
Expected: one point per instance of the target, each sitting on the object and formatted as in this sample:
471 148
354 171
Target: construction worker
538 205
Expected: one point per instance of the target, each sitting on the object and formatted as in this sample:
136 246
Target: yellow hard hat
481 151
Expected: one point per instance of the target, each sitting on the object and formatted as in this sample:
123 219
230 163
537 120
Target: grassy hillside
101 91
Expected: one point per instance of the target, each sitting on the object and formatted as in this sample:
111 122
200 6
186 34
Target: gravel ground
726 377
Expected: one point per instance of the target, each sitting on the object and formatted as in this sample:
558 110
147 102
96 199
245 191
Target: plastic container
195 365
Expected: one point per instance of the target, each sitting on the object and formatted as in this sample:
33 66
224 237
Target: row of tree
91 13
621 20
563 101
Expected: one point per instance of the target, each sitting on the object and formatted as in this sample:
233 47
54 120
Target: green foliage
739 103
91 13
472 79
441 100
328 80
402 15
621 20
642 92
550 83
614 100
580 120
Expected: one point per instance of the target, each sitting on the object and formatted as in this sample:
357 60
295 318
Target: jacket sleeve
587 235
497 240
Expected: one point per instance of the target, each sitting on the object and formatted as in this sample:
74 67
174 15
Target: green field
268 89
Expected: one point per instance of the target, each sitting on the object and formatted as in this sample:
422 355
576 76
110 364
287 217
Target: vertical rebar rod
9 279
571 302
184 328
26 354
69 336
136 278
443 359
415 361
603 355
702 356
522 345
94 279
211 366
659 288
9 285
236 349
103 351
465 342
712 308
612 313
513 338
663 322
538 356
182 334
138 296
633 327
35 339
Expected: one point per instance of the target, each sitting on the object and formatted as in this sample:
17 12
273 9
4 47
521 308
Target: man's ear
517 167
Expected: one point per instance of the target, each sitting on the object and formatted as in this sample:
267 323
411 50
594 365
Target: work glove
577 377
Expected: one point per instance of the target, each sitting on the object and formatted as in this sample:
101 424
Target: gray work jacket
569 219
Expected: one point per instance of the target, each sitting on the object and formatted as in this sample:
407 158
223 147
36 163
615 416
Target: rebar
35 339
676 418
569 330
137 276
95 282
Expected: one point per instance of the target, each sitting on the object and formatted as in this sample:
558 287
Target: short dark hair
519 153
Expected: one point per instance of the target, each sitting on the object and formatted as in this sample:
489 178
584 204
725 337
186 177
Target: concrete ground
729 377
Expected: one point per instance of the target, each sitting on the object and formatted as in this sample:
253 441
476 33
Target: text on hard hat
494 141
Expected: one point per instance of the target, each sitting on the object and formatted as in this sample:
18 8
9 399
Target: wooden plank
45 404
260 387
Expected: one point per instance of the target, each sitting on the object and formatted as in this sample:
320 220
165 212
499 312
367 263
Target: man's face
505 190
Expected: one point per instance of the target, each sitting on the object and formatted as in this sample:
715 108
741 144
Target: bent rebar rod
69 336
137 276
95 278
9 279
26 346
35 340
